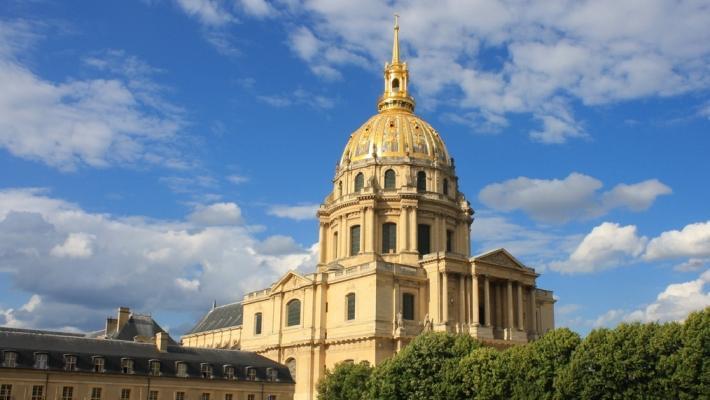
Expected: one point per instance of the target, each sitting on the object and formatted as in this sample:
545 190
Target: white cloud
606 246
574 197
217 214
692 241
163 259
77 245
119 119
298 97
237 179
298 212
208 12
257 8
675 302
692 265
279 245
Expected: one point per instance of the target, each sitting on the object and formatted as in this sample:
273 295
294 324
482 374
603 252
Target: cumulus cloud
575 197
691 241
298 212
606 246
77 245
118 118
692 265
164 260
208 12
216 214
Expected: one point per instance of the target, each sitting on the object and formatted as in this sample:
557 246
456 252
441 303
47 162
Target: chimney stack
123 314
161 341
111 325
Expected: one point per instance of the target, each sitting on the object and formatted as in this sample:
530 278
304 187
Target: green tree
484 375
692 375
345 382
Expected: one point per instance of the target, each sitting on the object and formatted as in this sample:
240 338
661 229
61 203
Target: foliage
632 361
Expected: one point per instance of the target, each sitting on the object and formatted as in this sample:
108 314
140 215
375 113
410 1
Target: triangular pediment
290 280
502 258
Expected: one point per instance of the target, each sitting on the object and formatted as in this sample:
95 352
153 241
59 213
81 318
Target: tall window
67 392
251 396
257 323
125 394
350 304
340 189
251 373
446 187
395 85
390 179
335 245
272 374
359 182
154 367
424 239
126 366
9 359
291 365
293 311
41 360
70 362
354 240
229 372
179 395
95 393
421 181
449 241
271 397
205 396
389 237
181 369
408 306
99 364
37 392
153 395
5 392
228 396
206 370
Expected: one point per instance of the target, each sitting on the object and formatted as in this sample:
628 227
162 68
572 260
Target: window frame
41 361
5 391
445 187
125 394
405 314
350 302
258 319
37 392
9 359
449 241
421 181
128 366
291 314
390 179
389 239
100 362
153 395
67 392
421 228
206 371
181 369
95 393
355 244
359 182
151 369
70 366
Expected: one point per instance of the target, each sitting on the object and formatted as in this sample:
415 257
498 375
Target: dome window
390 179
359 182
446 187
421 181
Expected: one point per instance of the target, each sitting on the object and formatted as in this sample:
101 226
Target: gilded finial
395 45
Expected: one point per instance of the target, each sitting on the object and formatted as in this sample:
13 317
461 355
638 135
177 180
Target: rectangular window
95 393
257 323
10 359
125 394
5 392
67 393
181 370
251 373
41 361
424 239
70 363
206 371
205 396
179 395
37 392
228 372
350 300
228 396
389 238
271 397
354 240
449 241
153 395
251 397
408 306
155 368
126 366
99 364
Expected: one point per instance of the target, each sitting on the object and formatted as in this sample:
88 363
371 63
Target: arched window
291 365
257 323
390 179
354 240
421 181
350 306
446 187
395 85
359 182
389 237
293 313
408 306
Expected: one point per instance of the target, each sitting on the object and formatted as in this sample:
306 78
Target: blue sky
164 154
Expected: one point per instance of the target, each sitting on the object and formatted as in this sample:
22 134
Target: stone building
395 260
133 359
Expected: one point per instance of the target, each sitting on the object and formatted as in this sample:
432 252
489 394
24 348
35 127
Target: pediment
290 280
502 258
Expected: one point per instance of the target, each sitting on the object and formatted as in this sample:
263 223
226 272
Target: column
509 316
533 320
444 297
413 229
363 228
402 231
474 300
404 216
521 327
344 233
372 230
499 306
462 299
486 300
442 233
322 243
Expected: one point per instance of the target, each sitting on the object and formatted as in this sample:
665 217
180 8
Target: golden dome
396 135
396 132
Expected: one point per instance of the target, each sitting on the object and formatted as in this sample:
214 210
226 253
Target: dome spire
395 45
396 96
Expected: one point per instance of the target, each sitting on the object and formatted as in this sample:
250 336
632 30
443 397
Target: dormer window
99 364
9 359
126 366
181 369
272 374
154 367
206 371
229 372
251 373
41 360
69 362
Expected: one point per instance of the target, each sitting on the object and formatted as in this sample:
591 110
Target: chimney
161 341
111 324
123 314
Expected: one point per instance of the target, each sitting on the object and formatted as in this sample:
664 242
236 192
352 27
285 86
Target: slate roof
139 325
228 315
26 343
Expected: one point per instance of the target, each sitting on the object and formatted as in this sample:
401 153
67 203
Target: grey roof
139 325
27 343
228 315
